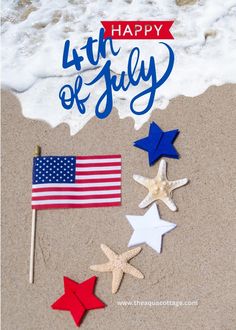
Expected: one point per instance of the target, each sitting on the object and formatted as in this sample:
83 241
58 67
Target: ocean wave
34 32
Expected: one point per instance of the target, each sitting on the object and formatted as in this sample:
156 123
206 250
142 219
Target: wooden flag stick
37 153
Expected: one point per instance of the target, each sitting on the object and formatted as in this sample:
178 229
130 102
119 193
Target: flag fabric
76 182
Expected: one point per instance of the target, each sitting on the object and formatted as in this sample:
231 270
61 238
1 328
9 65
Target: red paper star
78 298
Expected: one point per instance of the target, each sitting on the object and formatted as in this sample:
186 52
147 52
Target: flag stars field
54 169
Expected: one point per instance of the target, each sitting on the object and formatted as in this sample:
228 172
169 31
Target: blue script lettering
68 102
102 48
136 72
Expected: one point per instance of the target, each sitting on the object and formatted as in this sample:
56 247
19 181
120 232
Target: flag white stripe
98 176
69 201
95 161
75 193
102 168
76 185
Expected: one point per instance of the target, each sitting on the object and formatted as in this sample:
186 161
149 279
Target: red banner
138 29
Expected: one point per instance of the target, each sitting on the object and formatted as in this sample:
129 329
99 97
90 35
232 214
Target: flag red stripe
63 206
76 189
98 180
41 198
98 164
98 157
98 172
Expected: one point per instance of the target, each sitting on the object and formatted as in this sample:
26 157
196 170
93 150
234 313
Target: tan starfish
160 187
118 265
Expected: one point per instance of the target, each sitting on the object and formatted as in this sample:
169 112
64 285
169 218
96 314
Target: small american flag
76 182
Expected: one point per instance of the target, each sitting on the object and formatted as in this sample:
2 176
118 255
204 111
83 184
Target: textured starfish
118 265
160 187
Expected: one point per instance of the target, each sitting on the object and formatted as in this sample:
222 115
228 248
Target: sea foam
34 32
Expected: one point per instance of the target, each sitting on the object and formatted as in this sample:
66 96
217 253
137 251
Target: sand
197 262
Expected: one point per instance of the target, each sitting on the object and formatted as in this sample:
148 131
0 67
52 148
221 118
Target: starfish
160 187
149 228
118 265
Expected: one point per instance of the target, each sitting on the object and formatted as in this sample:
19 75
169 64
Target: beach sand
197 260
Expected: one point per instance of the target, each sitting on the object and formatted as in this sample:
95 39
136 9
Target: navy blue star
158 143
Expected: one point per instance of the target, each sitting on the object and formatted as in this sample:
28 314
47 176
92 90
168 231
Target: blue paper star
158 143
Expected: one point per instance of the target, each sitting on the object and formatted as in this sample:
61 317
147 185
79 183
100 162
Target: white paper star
149 228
